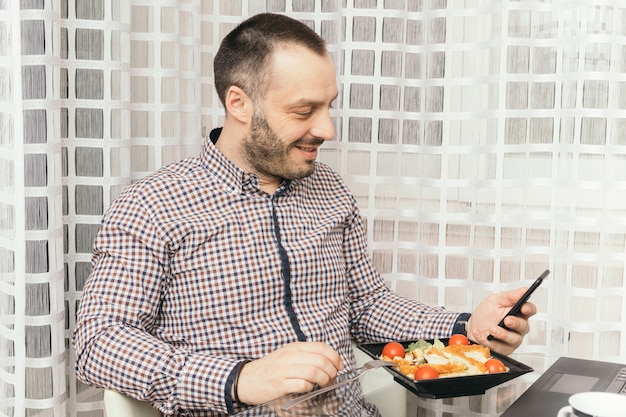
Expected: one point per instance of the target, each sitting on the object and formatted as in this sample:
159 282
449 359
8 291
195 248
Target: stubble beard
269 155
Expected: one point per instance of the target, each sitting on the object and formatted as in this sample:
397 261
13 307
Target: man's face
293 120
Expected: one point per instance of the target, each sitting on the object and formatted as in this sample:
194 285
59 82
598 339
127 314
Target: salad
425 360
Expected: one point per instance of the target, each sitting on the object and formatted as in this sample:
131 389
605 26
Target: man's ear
238 104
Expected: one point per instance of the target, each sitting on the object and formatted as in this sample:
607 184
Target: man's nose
323 127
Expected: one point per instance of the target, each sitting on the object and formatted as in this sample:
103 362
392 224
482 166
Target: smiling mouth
308 153
308 148
309 145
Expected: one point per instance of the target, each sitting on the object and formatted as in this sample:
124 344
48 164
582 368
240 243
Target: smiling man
242 275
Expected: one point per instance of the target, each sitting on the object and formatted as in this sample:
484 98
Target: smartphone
515 310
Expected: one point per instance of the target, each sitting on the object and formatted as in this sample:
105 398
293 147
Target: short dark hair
245 55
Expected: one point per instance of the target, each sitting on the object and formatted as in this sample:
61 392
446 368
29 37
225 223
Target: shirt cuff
202 381
460 325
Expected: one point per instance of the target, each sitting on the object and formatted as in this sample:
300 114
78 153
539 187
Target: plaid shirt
195 269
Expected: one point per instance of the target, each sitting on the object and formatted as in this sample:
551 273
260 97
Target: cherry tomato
393 349
426 372
494 366
458 339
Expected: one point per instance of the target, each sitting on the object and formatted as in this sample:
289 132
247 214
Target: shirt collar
230 174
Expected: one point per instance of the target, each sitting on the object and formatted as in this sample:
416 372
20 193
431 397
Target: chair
116 404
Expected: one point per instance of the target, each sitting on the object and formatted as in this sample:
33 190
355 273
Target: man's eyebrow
310 102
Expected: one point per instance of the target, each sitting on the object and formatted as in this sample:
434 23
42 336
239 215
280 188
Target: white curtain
485 141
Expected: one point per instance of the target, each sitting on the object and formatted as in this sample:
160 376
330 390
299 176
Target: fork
367 366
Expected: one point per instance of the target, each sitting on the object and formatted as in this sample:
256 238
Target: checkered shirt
195 269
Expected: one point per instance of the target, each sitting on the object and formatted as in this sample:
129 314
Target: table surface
377 394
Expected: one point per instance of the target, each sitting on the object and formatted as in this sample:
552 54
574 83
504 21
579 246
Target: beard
269 155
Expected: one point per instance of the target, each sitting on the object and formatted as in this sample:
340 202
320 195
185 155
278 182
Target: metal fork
367 366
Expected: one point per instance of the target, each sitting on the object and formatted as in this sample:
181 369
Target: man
242 275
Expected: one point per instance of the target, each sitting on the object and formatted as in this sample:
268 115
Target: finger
529 310
297 385
323 376
497 332
302 385
315 362
323 350
517 324
511 297
306 380
320 370
503 347
521 319
504 341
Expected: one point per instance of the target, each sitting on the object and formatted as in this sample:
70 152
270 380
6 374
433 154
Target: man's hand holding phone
504 338
517 307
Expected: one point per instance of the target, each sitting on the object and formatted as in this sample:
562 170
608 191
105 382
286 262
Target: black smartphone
515 310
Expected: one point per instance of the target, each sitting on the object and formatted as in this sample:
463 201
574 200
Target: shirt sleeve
379 314
115 341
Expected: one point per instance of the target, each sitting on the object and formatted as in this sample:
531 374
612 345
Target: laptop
567 376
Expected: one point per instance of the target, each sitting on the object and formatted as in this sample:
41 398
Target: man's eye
303 113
